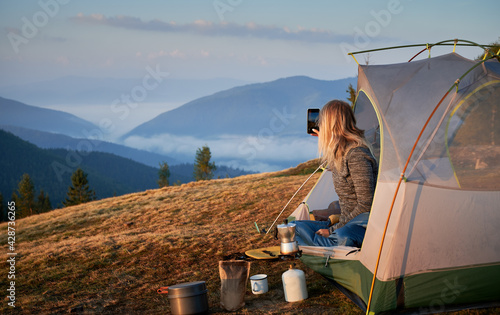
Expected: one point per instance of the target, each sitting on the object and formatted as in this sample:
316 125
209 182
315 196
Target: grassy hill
110 256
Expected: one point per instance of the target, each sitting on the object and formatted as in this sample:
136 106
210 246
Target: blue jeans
351 234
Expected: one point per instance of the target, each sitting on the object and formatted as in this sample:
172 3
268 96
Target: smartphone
312 120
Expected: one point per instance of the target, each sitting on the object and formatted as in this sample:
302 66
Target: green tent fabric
441 248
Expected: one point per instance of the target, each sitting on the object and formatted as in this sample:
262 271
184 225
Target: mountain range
51 170
246 110
271 114
256 127
108 174
15 113
48 140
259 127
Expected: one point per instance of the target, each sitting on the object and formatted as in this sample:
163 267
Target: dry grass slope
110 256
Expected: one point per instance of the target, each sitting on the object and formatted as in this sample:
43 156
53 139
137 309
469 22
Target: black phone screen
312 120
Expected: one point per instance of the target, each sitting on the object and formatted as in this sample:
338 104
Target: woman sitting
342 145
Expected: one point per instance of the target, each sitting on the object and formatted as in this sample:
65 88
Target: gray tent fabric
444 226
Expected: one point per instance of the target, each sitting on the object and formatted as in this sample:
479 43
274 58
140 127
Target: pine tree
43 202
203 169
352 94
351 91
25 197
163 174
494 49
80 191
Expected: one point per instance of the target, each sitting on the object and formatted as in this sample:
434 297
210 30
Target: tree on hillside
352 94
163 174
25 197
351 91
79 191
43 202
490 50
203 169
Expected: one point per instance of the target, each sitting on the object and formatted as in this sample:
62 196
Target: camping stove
293 256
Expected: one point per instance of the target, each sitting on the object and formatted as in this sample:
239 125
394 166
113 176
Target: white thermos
294 285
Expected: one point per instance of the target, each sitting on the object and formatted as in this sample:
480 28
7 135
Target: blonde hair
337 132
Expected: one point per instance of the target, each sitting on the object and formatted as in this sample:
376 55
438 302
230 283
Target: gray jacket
355 184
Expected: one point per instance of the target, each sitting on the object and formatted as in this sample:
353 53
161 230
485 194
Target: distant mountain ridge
46 140
259 127
108 174
247 109
15 113
51 170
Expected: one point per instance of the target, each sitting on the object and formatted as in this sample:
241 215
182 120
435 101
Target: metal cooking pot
187 298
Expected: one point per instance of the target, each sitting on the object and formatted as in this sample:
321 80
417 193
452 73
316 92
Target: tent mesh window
366 119
473 135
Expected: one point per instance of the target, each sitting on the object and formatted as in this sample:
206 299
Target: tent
433 236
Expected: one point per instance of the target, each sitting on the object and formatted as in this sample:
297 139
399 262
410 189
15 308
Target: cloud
44 37
55 39
62 60
207 28
204 53
246 152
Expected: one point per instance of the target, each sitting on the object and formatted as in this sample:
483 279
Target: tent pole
449 42
486 52
350 54
294 196
457 82
417 54
394 198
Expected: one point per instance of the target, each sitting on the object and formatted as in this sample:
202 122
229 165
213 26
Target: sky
251 40
246 40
